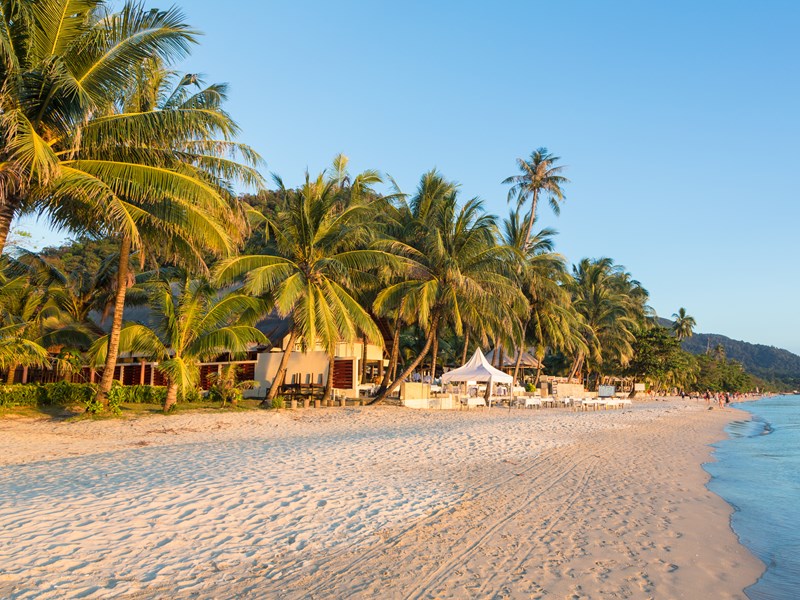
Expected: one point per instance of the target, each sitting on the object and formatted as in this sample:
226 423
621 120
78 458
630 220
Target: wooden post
141 373
122 373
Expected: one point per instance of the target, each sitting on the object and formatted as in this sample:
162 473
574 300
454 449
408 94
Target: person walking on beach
720 399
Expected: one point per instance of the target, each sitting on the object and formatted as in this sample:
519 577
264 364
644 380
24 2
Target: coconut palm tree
310 269
22 316
62 62
551 322
190 323
172 125
539 176
683 325
612 306
31 317
453 261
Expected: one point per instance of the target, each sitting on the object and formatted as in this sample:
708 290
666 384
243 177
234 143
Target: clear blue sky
678 122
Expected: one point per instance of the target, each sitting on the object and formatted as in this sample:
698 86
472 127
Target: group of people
720 398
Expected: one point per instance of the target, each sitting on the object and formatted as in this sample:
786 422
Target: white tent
477 368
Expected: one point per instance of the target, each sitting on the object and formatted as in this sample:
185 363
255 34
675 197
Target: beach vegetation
316 254
141 163
190 323
683 324
227 386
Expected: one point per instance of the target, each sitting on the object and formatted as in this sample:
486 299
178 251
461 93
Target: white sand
369 503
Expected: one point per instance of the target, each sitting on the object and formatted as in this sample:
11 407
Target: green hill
767 362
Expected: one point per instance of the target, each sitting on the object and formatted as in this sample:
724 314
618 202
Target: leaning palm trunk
516 366
576 366
116 323
281 374
434 352
466 348
414 364
393 358
538 372
172 396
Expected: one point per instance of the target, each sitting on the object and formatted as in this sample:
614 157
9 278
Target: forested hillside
768 362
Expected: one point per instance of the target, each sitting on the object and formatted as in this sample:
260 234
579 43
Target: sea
757 471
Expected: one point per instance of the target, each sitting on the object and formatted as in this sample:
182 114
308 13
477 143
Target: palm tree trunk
466 347
277 382
326 397
393 357
116 323
172 396
531 218
12 370
516 366
575 366
414 364
7 211
435 351
363 375
538 372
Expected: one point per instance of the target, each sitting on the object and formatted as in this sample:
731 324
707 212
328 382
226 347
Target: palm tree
453 263
61 65
22 315
189 208
538 176
612 307
191 323
31 318
309 270
684 324
551 322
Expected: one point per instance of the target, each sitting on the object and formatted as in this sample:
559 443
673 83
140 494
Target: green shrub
191 395
22 395
278 402
137 394
64 395
529 387
60 394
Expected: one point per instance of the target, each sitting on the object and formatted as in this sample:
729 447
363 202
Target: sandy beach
370 503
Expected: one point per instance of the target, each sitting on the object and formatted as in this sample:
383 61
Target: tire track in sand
488 483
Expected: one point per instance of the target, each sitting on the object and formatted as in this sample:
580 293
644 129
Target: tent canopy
477 368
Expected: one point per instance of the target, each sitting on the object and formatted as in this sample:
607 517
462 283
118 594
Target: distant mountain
768 362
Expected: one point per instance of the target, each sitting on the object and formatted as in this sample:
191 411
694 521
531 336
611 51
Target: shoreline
359 502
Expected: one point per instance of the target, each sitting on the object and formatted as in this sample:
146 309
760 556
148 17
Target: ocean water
758 473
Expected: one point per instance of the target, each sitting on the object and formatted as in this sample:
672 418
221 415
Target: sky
677 122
